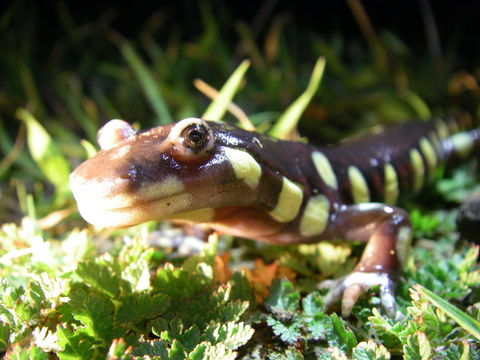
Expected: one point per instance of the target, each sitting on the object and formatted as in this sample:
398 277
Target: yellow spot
404 240
171 185
436 144
324 169
418 169
429 153
463 144
442 129
391 185
246 168
315 216
358 185
289 202
201 215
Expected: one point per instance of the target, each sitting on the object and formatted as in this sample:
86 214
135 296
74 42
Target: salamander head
182 170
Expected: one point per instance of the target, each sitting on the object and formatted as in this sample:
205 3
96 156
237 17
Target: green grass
70 291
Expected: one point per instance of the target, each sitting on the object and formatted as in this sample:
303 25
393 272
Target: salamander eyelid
183 146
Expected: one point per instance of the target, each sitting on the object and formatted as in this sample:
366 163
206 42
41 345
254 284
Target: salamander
251 185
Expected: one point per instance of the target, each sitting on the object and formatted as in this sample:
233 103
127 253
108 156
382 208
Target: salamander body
254 186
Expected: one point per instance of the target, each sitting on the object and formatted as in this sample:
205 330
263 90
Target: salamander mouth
116 193
134 214
154 202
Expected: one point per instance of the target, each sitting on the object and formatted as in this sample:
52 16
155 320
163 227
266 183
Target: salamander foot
349 288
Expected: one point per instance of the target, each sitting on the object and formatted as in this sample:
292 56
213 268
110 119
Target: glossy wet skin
153 175
247 184
167 171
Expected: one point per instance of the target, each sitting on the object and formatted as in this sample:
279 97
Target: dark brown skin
250 185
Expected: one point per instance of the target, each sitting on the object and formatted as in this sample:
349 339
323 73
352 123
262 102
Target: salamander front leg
387 232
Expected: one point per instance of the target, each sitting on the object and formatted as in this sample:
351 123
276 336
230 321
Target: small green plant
82 308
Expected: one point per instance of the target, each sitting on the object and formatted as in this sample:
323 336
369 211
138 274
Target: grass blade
468 323
147 82
74 101
45 153
23 161
29 86
289 119
15 151
219 106
233 108
421 109
89 148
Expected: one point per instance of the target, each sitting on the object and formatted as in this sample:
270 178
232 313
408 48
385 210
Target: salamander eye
191 139
195 137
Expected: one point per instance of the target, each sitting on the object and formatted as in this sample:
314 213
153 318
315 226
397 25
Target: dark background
457 21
